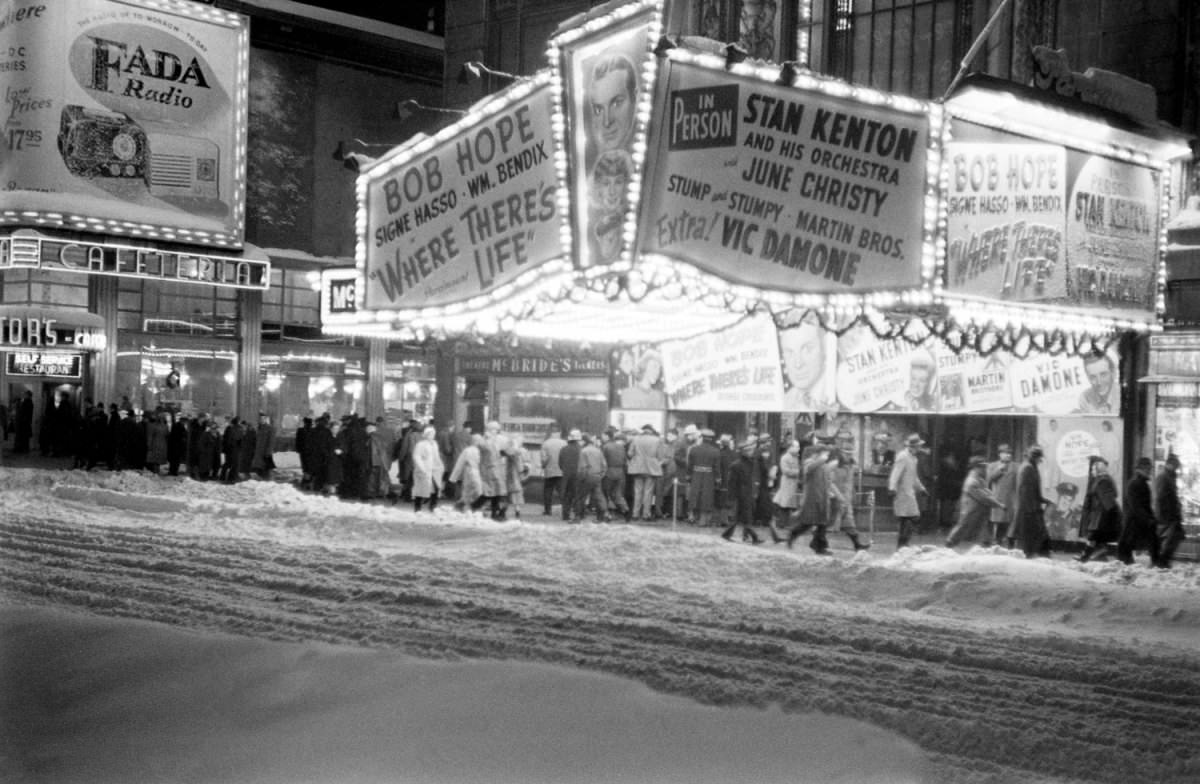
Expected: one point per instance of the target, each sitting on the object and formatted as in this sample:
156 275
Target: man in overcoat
904 484
1168 510
1138 526
1029 519
703 463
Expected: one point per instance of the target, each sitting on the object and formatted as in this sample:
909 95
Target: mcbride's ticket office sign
124 118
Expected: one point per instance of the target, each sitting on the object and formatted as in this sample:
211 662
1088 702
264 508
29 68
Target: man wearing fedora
1138 524
904 484
974 504
1029 519
1002 481
645 466
743 492
1168 511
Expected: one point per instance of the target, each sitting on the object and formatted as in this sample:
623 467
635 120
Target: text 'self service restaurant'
749 243
123 200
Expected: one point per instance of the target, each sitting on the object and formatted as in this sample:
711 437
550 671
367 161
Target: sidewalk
883 541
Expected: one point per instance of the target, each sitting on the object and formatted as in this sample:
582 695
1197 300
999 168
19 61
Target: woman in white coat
787 497
466 474
428 470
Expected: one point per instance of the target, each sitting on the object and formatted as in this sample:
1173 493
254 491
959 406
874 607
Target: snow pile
999 668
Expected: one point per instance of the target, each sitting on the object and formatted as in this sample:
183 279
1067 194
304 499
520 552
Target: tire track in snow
987 705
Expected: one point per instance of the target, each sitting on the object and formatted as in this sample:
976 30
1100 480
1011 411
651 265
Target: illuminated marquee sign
32 252
466 212
125 118
799 189
44 363
1051 225
46 332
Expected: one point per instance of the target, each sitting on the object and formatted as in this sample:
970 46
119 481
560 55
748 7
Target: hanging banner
125 117
1067 384
734 369
1051 225
475 211
604 73
874 374
785 188
885 375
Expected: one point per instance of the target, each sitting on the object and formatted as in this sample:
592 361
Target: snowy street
999 669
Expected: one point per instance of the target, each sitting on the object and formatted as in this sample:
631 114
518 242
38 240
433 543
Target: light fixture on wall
357 161
411 107
473 70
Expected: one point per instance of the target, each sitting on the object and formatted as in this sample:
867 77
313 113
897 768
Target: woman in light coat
787 497
466 474
427 470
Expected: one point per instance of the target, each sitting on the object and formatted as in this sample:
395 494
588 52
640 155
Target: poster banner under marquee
733 369
475 212
122 114
1050 225
784 188
875 374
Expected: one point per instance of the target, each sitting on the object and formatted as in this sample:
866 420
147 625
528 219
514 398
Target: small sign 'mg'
343 297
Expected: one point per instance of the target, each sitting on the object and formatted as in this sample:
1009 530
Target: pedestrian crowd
1002 502
120 437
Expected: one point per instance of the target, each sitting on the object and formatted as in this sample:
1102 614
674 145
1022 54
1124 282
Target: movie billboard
467 215
783 188
125 118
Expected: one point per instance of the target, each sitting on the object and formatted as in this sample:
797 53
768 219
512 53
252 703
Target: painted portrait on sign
604 79
808 355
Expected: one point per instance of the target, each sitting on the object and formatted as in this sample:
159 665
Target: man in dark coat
1138 527
24 424
320 446
177 443
1029 523
616 460
703 467
303 450
729 456
196 430
231 445
744 480
1169 511
1100 519
356 460
568 461
815 508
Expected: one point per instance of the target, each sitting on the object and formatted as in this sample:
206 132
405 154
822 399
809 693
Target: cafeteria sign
44 363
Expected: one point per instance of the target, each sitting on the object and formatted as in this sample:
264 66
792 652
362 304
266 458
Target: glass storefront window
178 379
409 390
293 386
1177 431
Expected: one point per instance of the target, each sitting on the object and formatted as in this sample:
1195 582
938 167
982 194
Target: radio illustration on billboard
102 144
96 143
